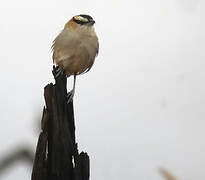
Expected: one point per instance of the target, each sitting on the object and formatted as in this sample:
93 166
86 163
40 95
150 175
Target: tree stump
57 156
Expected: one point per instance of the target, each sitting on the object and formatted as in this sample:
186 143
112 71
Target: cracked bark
57 156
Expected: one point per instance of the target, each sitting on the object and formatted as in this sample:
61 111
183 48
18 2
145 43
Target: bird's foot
70 96
58 71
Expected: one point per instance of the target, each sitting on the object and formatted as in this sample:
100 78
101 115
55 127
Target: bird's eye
81 19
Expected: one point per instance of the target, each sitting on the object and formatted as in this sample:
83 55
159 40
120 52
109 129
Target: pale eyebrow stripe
80 18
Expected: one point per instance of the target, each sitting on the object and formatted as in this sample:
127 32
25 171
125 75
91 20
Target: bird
76 47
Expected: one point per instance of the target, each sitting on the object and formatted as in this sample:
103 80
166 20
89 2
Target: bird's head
84 20
80 21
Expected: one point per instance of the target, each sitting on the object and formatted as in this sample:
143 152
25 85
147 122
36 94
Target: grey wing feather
97 51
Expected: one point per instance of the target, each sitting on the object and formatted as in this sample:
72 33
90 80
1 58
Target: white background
141 107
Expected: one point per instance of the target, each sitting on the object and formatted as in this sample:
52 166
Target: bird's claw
70 96
58 71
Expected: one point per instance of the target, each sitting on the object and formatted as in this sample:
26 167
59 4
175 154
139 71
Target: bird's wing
96 47
64 45
93 58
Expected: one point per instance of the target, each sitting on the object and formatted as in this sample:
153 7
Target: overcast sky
141 107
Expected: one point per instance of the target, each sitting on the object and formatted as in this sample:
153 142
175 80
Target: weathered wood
56 147
40 162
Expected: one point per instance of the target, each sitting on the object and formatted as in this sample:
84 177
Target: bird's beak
92 22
